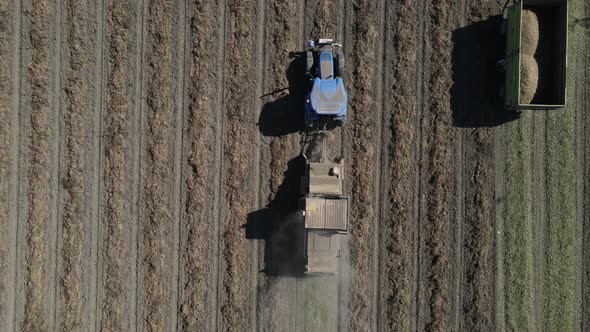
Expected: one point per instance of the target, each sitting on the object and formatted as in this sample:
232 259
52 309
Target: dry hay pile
530 32
529 68
529 78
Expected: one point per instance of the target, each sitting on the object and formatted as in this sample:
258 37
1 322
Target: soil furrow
279 192
238 158
202 117
76 168
478 236
117 189
399 124
39 171
437 166
6 154
158 223
364 117
283 35
324 19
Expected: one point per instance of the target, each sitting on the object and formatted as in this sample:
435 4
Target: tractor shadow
475 95
281 226
282 113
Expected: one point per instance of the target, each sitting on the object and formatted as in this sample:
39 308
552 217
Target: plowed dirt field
150 159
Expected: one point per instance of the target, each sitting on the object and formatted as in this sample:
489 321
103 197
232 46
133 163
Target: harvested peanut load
530 32
529 78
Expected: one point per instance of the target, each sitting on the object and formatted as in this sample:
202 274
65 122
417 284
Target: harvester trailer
325 210
535 63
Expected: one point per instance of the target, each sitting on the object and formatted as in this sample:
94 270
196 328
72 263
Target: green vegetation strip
562 254
517 253
561 221
560 249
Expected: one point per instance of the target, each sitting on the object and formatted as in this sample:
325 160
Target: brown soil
200 145
364 112
324 19
182 165
478 241
282 35
237 153
399 222
436 165
116 134
159 163
38 171
283 40
76 145
5 162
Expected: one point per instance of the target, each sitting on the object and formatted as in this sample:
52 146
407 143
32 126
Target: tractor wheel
309 58
340 64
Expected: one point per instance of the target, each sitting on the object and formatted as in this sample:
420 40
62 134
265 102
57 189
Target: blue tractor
326 101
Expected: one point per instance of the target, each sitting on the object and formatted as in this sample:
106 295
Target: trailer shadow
282 113
476 99
281 226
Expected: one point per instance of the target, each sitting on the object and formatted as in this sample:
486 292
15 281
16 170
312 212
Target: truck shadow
281 226
283 113
476 100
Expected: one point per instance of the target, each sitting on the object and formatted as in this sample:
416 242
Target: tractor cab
326 101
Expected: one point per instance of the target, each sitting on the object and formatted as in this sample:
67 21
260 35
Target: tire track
237 181
539 211
364 118
10 173
583 172
76 187
499 219
8 157
98 84
318 299
459 150
436 166
157 223
396 301
199 289
579 39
